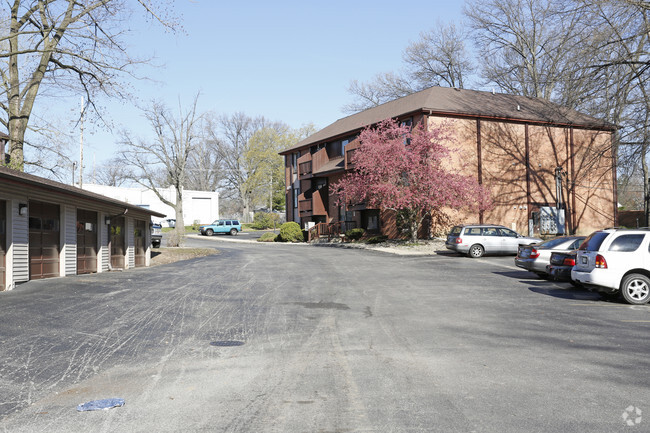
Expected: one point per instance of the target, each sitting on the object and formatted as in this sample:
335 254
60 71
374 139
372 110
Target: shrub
195 225
354 234
264 220
377 239
291 232
267 237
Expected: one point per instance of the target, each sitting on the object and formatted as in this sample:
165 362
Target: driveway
284 338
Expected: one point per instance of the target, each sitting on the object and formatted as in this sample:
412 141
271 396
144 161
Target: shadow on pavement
568 293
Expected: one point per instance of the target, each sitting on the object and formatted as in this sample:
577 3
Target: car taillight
534 253
569 261
601 262
459 241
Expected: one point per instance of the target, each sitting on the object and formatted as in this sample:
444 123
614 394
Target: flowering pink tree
409 172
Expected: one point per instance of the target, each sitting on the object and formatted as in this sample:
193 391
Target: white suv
614 260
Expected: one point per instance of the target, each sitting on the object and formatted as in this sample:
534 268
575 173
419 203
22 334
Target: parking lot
269 337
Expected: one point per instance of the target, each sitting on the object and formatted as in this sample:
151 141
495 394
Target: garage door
139 237
43 240
3 243
86 241
118 249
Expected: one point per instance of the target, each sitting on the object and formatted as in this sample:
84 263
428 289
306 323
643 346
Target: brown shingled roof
459 102
47 184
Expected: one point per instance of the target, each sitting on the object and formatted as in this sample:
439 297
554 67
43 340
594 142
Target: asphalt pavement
294 338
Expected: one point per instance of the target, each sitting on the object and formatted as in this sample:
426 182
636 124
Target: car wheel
233 232
636 289
476 251
574 283
209 232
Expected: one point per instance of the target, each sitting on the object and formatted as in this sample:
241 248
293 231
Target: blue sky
290 61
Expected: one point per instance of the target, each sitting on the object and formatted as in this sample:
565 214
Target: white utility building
201 206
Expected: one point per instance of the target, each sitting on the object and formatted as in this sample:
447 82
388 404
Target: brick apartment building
540 161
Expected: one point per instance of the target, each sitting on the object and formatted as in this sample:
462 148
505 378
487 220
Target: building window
294 162
296 193
409 124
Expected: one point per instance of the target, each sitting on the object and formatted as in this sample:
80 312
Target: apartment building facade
536 158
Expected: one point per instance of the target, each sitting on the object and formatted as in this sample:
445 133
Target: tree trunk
415 225
16 140
179 229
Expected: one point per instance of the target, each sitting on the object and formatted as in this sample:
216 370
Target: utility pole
81 145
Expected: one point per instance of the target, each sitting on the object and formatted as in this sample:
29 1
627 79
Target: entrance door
139 237
86 241
43 240
118 249
3 244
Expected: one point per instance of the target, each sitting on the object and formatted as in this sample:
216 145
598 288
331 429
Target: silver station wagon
475 240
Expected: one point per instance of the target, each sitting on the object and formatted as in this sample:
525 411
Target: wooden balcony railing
305 205
304 168
348 158
330 230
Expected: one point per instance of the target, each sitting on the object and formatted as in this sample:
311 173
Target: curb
350 246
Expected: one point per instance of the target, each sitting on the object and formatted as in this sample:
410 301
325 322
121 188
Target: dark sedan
535 257
559 268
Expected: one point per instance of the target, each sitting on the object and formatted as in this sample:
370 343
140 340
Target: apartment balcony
304 170
304 166
349 151
305 207
316 205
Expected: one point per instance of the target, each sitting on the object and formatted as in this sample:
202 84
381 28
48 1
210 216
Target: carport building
50 229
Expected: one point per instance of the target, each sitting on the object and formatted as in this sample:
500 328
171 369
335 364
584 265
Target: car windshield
594 241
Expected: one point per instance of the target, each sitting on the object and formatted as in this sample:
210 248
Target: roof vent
518 107
493 91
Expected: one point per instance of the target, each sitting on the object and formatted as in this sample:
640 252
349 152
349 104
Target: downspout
568 172
528 197
614 177
573 182
479 162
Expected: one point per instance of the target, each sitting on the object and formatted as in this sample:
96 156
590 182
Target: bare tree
204 170
167 155
383 88
620 64
437 58
230 137
247 149
74 45
526 45
113 172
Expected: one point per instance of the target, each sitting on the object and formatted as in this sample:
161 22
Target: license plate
584 260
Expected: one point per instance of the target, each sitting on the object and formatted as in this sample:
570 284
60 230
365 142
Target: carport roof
452 102
19 177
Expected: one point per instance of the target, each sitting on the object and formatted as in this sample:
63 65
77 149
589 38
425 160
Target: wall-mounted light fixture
22 209
107 220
